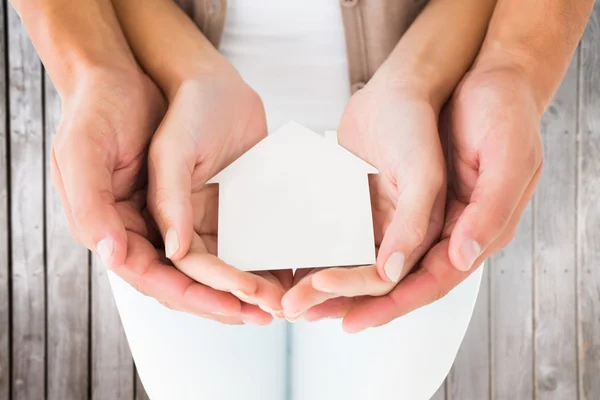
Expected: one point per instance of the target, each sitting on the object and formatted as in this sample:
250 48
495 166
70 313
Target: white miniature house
295 200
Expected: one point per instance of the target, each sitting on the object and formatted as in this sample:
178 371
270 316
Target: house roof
294 146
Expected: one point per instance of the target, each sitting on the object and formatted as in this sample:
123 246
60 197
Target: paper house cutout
295 200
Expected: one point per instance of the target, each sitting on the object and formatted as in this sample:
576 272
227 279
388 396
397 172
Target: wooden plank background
535 333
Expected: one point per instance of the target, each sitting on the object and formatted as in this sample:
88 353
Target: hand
211 121
495 154
99 151
97 168
395 130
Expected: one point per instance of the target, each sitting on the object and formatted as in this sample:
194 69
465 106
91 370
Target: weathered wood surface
27 215
555 249
588 196
511 275
67 285
470 375
5 300
535 333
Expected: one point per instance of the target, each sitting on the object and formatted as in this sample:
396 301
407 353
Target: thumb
85 183
498 191
169 188
410 232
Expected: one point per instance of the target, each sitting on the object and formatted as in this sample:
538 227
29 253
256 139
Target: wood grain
589 211
112 365
4 224
512 315
67 285
555 234
27 215
470 374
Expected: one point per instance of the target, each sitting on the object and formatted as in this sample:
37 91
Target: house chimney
331 136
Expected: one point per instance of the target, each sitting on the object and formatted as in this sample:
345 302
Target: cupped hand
492 125
100 151
395 130
98 168
211 121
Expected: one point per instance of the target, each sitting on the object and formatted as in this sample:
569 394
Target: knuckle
186 291
161 205
60 147
83 214
535 156
415 234
81 217
500 217
440 289
440 293
507 237
511 232
436 175
139 288
167 305
154 152
74 232
438 179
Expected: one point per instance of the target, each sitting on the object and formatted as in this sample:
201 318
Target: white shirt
293 53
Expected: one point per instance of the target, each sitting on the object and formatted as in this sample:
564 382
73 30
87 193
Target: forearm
167 43
537 38
72 38
439 48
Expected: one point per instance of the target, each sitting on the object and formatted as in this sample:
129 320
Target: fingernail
294 317
248 298
171 242
270 310
394 266
105 249
279 315
470 251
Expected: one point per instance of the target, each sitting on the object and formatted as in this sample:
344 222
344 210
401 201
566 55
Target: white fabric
293 54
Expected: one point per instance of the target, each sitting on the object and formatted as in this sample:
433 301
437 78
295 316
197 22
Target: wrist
536 40
414 84
69 49
520 66
177 75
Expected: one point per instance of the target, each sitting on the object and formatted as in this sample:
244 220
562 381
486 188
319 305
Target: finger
252 314
143 270
86 173
432 281
409 234
509 233
222 319
301 297
351 281
502 182
171 162
209 270
333 308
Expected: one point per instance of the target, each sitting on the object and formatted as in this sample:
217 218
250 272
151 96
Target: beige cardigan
373 27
